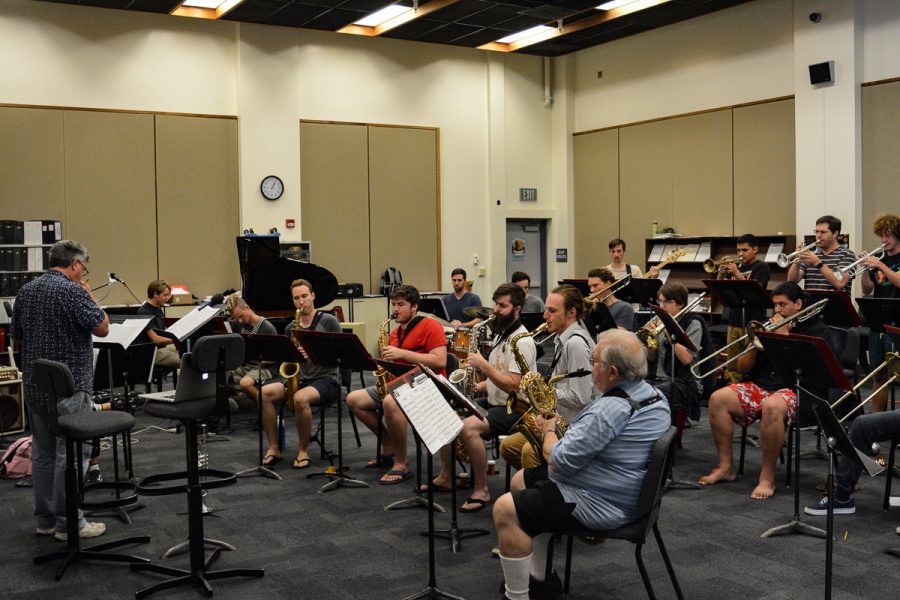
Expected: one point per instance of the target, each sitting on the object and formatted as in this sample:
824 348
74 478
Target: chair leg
548 569
568 575
355 430
743 450
889 475
665 555
643 569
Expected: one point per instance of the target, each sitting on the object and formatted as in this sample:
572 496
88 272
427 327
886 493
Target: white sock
515 572
539 556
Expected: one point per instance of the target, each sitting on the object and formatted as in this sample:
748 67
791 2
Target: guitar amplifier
12 408
8 374
349 290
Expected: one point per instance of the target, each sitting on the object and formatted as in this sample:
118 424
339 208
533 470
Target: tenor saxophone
291 371
537 397
382 375
464 378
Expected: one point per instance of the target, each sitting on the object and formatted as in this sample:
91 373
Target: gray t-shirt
322 322
622 314
533 304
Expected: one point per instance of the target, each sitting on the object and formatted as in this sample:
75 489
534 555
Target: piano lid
266 276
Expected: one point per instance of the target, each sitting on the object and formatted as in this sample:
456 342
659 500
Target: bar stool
54 379
189 413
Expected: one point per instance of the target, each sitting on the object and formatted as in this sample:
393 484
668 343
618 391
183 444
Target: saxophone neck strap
618 392
403 333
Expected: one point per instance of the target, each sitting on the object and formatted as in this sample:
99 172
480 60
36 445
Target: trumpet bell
710 266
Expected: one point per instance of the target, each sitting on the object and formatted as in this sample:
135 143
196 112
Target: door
526 251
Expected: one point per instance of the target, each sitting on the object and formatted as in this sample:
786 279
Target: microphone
215 300
114 277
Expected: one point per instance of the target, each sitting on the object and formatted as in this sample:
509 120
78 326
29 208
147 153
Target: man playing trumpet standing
816 267
762 396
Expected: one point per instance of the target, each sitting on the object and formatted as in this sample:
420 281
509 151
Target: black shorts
328 388
500 422
541 507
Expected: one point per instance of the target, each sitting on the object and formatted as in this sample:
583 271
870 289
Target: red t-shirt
424 337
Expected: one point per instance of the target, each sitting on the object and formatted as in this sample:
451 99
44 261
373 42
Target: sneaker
45 530
90 530
93 475
820 508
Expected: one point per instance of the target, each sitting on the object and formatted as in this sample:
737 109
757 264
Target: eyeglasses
83 266
662 301
595 361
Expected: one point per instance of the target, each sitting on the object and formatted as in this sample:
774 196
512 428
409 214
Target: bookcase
24 252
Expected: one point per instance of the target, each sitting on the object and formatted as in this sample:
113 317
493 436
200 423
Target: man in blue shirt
459 299
595 472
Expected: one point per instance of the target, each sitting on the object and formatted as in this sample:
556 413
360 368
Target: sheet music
191 322
775 248
690 252
428 412
704 252
124 333
664 274
657 253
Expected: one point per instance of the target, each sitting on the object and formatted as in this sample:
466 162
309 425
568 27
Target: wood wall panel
110 197
880 158
403 207
645 183
765 198
702 174
32 164
334 190
596 206
197 202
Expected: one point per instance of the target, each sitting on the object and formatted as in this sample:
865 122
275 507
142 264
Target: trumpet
785 260
752 339
891 362
711 265
855 266
649 332
601 295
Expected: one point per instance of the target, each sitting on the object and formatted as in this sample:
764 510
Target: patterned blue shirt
600 463
53 318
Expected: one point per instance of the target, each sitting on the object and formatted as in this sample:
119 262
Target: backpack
391 278
16 461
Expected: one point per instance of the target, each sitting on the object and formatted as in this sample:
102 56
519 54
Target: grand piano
266 276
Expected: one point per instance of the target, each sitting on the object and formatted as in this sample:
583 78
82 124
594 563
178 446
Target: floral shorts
751 397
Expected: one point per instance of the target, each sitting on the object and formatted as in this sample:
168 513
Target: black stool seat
189 409
85 426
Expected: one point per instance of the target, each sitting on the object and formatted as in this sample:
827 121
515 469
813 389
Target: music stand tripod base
259 470
794 526
433 592
415 502
185 546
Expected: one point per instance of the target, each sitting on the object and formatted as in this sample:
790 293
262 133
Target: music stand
681 337
434 306
581 284
599 319
531 320
641 291
335 350
838 442
276 349
739 294
879 311
894 332
808 361
839 312
460 404
437 425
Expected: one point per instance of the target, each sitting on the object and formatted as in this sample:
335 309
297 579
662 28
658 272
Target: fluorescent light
614 4
380 16
211 4
514 37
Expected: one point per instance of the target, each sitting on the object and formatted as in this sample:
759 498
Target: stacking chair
55 380
190 412
635 532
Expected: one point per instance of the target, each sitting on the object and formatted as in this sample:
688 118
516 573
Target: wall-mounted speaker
821 73
12 408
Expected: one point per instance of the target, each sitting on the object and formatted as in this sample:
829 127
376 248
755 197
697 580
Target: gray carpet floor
343 545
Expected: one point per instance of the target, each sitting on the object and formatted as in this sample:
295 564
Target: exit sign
528 194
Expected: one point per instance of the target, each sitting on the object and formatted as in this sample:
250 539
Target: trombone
602 295
649 332
840 273
785 260
891 362
754 344
711 265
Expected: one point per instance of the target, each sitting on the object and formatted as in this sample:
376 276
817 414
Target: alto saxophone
291 371
539 398
464 379
382 375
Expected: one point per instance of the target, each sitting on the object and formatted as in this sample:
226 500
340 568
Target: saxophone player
503 376
417 340
315 384
592 477
563 312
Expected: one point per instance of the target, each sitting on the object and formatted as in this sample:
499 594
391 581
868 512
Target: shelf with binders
24 252
689 268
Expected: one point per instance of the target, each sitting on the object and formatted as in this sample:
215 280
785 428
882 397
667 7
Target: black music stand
599 319
434 306
336 350
531 320
276 349
879 311
677 333
461 405
641 291
838 442
808 361
581 284
414 378
894 332
839 312
739 294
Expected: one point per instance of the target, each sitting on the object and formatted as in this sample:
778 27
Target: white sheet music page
191 322
124 333
428 412
774 250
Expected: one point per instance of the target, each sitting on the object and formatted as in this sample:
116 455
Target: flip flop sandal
400 475
271 460
301 463
470 500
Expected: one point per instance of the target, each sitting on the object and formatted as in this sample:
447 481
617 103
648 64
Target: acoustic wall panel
881 155
596 206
